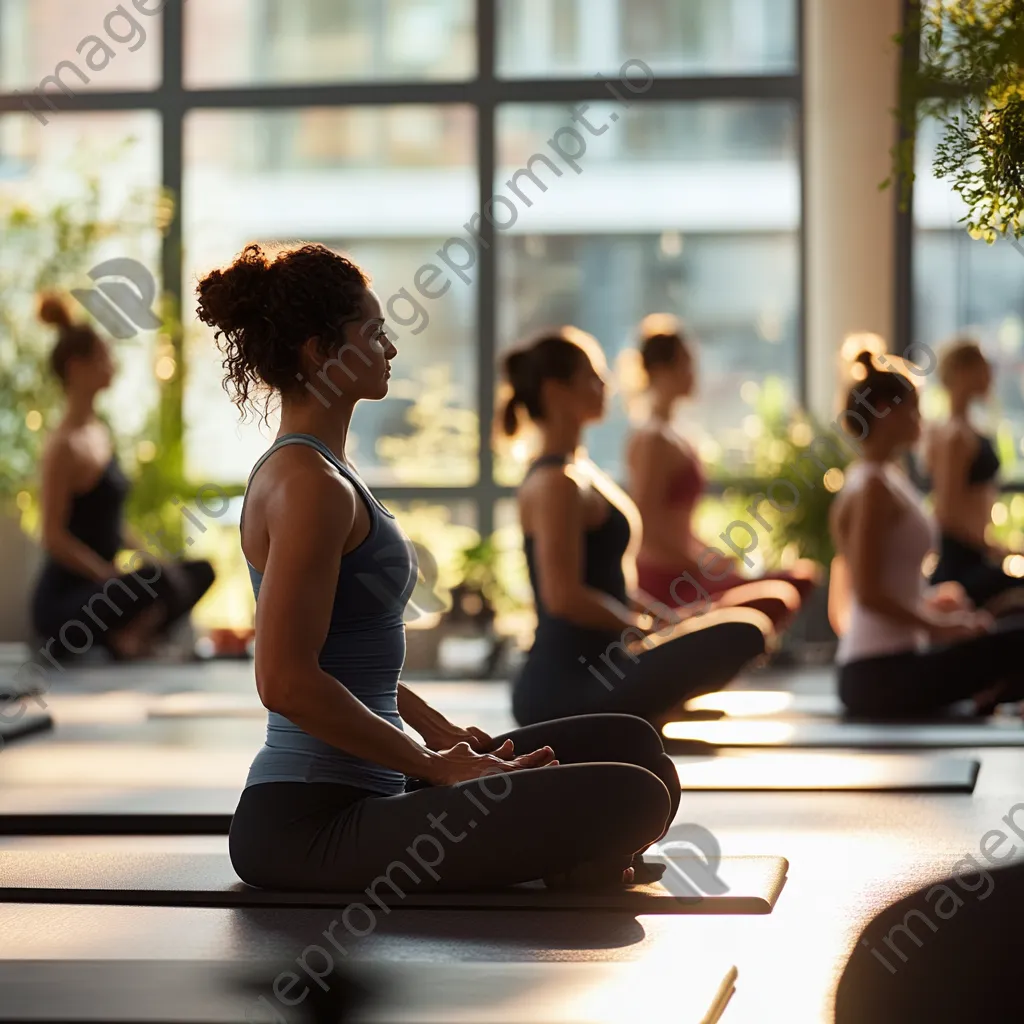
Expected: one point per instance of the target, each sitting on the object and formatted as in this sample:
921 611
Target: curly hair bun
54 311
227 298
265 310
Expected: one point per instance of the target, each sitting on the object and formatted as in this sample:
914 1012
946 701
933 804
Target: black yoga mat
186 992
743 885
106 811
12 728
780 733
785 772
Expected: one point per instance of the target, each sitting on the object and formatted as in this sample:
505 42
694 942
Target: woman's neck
330 425
878 451
662 404
959 407
560 438
80 410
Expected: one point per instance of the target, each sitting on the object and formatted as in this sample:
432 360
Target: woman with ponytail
905 649
340 792
82 598
602 646
666 480
964 467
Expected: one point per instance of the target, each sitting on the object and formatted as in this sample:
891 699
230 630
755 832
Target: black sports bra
985 466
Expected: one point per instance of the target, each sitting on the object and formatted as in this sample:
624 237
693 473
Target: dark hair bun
866 358
264 310
228 298
54 311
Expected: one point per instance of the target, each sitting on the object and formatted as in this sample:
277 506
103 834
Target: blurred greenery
443 441
795 447
51 246
972 52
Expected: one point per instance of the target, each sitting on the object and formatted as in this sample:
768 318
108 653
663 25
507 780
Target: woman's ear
312 355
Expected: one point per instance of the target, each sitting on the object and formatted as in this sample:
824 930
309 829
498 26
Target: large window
384 127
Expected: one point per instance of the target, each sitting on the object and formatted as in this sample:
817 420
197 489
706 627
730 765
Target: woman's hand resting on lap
959 625
444 736
462 763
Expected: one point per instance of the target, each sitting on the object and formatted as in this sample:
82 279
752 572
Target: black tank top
97 514
985 466
603 550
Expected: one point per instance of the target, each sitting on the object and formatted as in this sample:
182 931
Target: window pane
691 209
231 42
388 186
964 285
90 44
556 38
59 234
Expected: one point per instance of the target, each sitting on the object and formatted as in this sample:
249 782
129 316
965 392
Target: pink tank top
909 540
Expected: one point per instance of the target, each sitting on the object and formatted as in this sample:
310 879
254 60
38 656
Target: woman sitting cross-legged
667 481
905 649
341 795
594 650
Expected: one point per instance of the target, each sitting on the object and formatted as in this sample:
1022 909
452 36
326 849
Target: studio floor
849 853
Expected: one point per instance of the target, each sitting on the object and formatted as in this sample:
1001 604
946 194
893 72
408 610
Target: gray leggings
614 793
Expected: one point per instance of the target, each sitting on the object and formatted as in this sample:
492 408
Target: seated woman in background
905 649
666 480
593 650
964 470
82 597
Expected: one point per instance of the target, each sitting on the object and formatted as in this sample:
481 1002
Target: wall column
851 74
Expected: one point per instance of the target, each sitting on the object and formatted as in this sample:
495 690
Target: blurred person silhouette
667 481
81 597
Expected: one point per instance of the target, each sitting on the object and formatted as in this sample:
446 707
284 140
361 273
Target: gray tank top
364 649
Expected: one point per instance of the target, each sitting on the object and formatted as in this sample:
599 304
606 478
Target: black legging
919 683
77 613
558 678
981 579
614 793
945 954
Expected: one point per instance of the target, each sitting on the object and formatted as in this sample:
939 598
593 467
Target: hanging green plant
971 80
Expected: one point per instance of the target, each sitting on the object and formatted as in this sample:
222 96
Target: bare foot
136 640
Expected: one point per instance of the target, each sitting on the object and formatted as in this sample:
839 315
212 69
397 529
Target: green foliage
43 247
973 52
479 569
796 448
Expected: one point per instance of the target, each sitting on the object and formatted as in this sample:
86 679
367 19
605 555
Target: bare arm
649 453
60 545
949 464
557 542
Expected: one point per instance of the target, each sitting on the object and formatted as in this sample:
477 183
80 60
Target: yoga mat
125 810
826 773
779 733
185 992
783 703
751 886
28 724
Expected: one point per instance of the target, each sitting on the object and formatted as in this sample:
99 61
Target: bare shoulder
59 449
297 482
